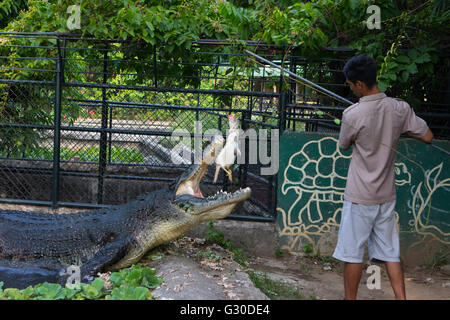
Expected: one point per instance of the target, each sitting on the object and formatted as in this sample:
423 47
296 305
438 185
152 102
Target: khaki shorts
375 224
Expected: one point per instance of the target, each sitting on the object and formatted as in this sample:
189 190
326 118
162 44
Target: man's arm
347 134
416 127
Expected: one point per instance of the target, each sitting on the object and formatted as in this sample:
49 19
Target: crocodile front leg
105 257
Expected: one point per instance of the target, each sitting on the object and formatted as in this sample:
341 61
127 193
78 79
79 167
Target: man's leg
395 273
352 277
354 230
384 245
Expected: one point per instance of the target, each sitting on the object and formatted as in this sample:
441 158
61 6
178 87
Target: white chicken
230 151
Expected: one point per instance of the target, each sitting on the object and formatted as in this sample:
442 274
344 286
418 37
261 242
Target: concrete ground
196 269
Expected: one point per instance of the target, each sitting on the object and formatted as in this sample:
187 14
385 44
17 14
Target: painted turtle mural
311 184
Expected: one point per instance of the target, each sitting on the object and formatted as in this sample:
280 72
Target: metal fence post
282 113
155 68
103 134
281 128
57 127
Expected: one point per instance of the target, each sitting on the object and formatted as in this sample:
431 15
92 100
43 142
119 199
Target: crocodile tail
216 175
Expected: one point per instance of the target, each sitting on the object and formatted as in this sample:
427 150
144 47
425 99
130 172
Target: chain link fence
89 123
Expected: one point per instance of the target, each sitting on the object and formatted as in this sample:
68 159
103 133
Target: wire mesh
91 122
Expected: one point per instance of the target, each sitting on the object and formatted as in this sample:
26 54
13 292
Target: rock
192 272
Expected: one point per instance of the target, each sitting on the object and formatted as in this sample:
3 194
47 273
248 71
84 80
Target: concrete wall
38 184
311 184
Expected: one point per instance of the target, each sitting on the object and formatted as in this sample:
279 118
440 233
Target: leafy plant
307 249
136 276
278 252
9 9
93 290
49 291
215 236
129 284
118 154
275 290
438 259
127 292
399 67
209 255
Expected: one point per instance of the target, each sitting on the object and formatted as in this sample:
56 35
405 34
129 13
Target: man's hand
428 137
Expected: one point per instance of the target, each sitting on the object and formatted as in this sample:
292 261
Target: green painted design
312 178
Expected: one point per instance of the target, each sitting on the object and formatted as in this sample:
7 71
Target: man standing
373 126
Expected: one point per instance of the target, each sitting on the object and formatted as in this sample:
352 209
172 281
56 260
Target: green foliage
9 9
438 259
307 249
128 284
215 236
172 26
127 292
209 255
275 290
175 24
118 154
136 276
93 290
278 252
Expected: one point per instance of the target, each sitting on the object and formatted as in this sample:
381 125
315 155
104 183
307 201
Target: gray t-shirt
373 126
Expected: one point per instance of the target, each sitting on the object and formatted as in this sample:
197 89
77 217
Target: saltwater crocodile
37 247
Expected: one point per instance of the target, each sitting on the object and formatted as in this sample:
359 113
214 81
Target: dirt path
195 269
321 280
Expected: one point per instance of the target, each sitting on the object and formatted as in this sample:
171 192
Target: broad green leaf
413 54
403 59
382 85
405 75
412 68
423 58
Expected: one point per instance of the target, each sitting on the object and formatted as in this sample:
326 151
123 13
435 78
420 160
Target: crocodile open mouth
188 188
191 187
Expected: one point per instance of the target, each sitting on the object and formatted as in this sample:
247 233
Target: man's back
374 126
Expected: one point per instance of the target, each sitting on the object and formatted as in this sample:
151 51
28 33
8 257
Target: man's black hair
362 68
